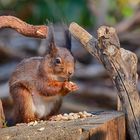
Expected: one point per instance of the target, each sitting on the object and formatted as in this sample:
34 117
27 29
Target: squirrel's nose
70 73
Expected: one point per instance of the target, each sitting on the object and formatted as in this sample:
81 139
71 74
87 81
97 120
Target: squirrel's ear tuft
67 38
52 46
51 34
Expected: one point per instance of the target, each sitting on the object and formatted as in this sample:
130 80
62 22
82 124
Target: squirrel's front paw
69 87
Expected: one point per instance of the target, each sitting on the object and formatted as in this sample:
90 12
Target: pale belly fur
42 107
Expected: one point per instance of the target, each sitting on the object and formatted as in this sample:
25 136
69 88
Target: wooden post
121 65
102 126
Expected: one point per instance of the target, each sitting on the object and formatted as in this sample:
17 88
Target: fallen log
121 65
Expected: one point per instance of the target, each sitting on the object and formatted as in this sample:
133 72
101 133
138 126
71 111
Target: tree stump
102 126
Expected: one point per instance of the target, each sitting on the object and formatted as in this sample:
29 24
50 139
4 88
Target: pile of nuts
63 117
70 116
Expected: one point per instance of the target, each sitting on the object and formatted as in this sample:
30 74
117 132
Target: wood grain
102 126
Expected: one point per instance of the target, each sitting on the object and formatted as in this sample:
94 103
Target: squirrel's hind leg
23 105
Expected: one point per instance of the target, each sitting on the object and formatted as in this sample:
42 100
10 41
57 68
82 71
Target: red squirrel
39 83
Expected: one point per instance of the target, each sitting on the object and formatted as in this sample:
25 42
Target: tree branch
121 65
40 31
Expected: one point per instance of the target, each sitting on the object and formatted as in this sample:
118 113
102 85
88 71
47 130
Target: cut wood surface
102 126
40 31
121 65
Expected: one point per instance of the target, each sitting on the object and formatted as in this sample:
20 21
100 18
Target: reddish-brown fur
40 80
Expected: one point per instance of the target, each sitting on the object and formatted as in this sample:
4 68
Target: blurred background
96 90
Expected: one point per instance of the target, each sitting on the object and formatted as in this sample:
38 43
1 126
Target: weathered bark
2 117
23 28
102 126
121 65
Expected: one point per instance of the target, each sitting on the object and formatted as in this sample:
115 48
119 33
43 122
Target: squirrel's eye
58 60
